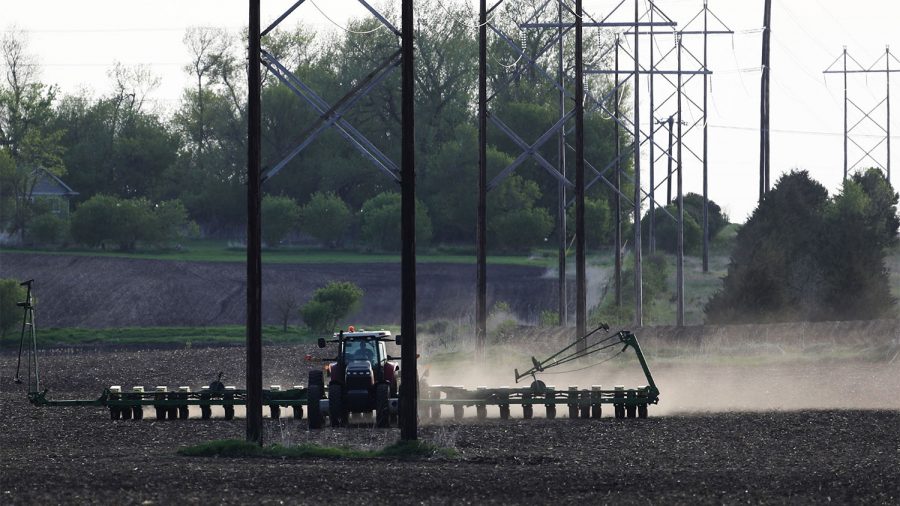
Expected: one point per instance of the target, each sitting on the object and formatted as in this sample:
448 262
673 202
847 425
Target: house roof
49 185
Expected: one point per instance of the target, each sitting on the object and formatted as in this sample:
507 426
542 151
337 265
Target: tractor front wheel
313 394
382 406
336 410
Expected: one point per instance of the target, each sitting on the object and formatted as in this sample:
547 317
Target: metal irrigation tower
332 116
885 127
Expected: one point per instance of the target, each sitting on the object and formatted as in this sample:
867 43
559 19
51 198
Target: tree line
117 149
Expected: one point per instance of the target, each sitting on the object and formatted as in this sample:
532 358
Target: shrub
330 304
10 314
279 216
103 220
380 225
47 229
325 217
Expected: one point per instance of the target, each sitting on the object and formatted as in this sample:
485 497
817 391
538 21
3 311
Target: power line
798 132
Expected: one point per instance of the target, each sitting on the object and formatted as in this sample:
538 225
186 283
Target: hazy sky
77 42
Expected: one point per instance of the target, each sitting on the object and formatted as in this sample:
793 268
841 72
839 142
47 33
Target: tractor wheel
596 410
274 411
313 395
125 411
631 411
172 413
504 411
316 378
551 411
113 413
527 411
573 411
336 410
183 412
137 412
382 406
229 412
160 413
436 411
298 412
620 411
481 411
458 411
586 412
642 411
205 412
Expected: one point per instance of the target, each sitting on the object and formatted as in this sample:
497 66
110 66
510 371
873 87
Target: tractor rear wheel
382 406
336 410
313 395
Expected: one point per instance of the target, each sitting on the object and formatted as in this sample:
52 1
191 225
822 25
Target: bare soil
77 455
83 291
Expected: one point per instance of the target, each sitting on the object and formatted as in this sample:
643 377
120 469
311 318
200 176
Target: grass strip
236 448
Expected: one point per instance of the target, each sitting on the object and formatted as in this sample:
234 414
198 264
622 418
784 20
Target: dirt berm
99 292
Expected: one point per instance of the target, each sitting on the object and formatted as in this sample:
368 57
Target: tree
380 225
10 314
284 302
26 130
803 256
514 223
597 222
693 205
104 219
46 229
279 217
325 217
330 304
666 232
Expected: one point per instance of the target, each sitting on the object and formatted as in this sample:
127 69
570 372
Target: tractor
362 378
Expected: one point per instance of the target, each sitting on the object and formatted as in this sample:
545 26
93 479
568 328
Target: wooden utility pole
408 371
764 104
481 212
254 238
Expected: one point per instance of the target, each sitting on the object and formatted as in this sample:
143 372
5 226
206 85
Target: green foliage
104 219
549 318
380 225
655 272
325 217
667 232
514 223
693 205
330 304
279 216
597 222
803 256
10 314
47 229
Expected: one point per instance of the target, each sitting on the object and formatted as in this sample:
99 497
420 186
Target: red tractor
361 379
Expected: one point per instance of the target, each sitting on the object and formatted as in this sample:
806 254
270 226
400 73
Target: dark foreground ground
77 455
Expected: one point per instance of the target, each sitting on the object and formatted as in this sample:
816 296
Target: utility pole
705 141
669 125
409 376
638 271
846 131
254 228
481 219
680 266
887 98
652 232
580 275
764 104
618 184
563 307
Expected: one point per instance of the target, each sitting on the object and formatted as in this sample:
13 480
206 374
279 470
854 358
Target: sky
76 43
